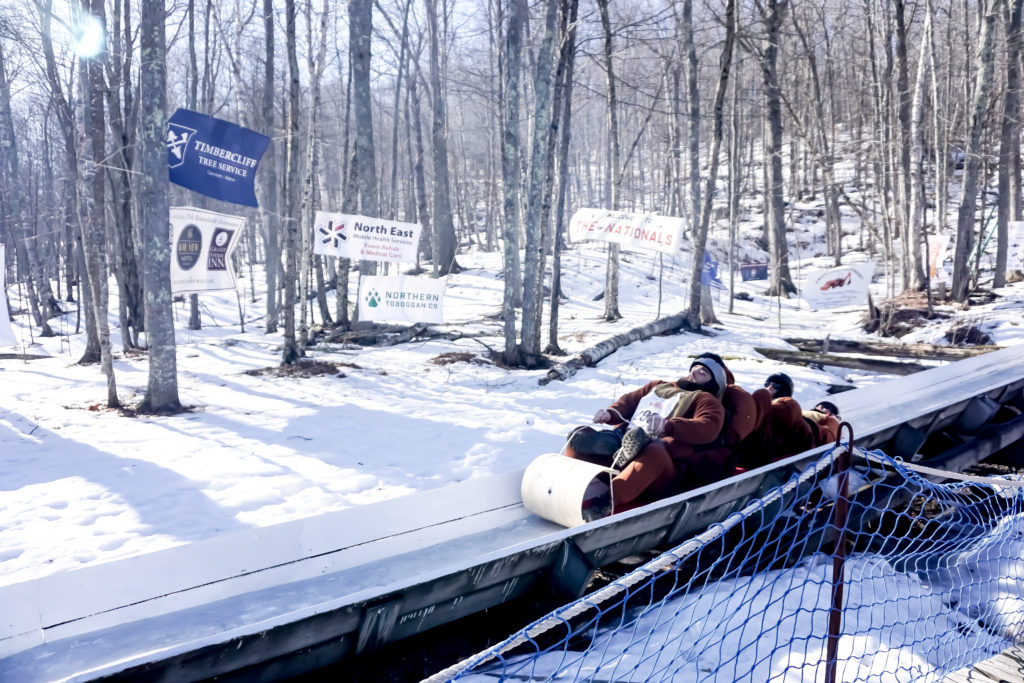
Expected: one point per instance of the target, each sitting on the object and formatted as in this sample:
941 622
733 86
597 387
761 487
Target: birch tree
611 282
564 83
1009 141
533 273
93 213
965 219
290 351
268 176
694 316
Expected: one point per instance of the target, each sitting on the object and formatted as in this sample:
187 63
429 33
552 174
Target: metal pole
840 515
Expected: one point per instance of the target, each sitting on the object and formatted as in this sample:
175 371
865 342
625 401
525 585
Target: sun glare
87 36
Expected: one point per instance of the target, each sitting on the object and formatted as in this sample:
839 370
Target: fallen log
594 354
884 349
892 367
21 356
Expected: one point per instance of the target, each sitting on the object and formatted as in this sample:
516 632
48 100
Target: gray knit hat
717 372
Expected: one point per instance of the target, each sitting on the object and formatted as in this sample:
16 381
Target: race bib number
652 404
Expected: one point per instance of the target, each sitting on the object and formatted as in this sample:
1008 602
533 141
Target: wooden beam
893 367
884 349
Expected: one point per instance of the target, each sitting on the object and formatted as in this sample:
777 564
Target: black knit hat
829 406
717 374
783 384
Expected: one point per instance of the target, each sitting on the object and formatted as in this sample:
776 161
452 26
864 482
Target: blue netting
932 582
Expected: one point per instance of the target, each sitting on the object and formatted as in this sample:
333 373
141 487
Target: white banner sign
359 237
201 246
631 230
7 337
1015 252
936 255
403 297
840 286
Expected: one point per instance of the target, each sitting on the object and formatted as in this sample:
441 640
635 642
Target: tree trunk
533 274
694 314
903 110
311 170
93 218
444 227
510 173
781 282
290 351
360 32
123 125
611 282
570 10
965 219
162 389
1009 141
268 176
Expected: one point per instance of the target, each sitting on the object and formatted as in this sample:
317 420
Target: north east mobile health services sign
201 246
365 238
631 230
401 298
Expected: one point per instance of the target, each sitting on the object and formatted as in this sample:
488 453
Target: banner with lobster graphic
839 286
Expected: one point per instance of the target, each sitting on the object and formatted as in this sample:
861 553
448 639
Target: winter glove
602 416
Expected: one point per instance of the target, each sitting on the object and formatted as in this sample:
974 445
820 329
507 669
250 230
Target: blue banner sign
709 273
214 157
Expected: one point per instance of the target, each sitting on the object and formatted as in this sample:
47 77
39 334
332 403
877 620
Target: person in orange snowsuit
655 435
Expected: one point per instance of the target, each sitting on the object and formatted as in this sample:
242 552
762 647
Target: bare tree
564 83
533 273
268 184
443 225
510 172
1009 141
93 215
154 212
772 14
291 352
611 282
965 219
694 314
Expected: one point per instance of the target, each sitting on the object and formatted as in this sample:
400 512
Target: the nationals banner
631 230
201 246
365 238
7 337
403 297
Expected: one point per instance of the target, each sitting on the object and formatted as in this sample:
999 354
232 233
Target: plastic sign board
364 238
631 230
840 286
936 255
7 337
709 273
401 298
201 246
1015 252
214 157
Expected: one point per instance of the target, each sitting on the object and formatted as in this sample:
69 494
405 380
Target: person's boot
633 441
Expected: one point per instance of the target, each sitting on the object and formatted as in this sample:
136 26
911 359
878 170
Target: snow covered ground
80 484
